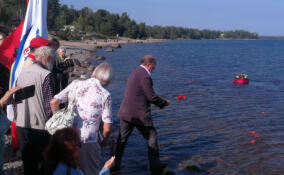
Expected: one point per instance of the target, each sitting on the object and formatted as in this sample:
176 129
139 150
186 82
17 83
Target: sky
266 17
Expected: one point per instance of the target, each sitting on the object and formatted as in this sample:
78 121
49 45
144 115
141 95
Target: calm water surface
213 125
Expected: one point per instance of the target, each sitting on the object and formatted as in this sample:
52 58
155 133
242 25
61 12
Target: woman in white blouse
92 107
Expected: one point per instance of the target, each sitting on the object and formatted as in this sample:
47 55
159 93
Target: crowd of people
78 150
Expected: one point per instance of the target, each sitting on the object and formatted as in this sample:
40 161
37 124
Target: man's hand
168 102
68 58
8 97
110 163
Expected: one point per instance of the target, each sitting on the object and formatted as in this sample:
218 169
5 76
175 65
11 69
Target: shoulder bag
63 118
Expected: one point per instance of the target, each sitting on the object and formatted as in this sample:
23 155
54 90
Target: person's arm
8 97
62 97
108 165
54 104
107 130
147 86
107 119
48 90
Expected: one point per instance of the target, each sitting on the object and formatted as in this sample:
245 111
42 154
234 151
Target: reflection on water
213 125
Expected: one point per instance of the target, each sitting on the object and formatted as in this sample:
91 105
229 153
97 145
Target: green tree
53 8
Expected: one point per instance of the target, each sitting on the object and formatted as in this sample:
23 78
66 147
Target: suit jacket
139 94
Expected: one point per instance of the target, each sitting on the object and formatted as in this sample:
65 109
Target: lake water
213 125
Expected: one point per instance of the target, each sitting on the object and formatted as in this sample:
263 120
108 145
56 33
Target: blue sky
266 17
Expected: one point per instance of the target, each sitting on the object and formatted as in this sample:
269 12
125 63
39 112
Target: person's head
37 42
61 52
54 43
149 62
103 72
45 55
64 146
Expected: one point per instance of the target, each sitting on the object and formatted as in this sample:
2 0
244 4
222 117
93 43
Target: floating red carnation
257 136
252 132
181 97
252 141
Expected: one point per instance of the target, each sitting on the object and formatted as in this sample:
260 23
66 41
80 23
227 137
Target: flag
9 45
12 42
34 26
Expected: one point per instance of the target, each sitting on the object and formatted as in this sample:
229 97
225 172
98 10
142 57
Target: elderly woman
92 107
62 70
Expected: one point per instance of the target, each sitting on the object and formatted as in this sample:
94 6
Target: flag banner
7 49
34 26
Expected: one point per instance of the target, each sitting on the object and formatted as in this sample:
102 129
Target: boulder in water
192 165
100 58
109 49
116 45
167 171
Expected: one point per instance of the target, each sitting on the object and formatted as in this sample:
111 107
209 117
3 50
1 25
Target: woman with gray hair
92 108
62 68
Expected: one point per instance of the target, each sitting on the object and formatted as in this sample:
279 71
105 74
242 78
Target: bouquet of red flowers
241 77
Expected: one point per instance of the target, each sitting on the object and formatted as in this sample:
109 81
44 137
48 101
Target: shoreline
103 43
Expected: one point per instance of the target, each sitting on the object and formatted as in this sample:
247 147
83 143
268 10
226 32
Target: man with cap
29 60
135 112
33 112
34 44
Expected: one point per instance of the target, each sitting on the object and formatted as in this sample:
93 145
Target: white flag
34 26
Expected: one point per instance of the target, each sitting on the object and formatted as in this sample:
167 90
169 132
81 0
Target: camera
65 65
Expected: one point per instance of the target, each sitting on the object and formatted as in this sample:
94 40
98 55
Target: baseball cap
38 42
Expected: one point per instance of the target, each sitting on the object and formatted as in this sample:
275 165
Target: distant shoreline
101 43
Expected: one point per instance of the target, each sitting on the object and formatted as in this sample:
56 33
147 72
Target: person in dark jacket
135 111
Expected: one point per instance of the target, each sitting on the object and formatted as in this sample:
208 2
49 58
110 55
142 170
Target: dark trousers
64 80
32 144
148 132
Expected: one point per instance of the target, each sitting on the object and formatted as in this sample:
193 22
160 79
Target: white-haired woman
93 106
63 66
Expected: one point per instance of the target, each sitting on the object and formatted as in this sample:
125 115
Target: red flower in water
262 112
180 97
252 132
252 141
184 97
257 136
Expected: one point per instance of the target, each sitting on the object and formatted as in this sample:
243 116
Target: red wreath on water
241 79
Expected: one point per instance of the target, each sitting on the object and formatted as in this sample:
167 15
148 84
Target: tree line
70 23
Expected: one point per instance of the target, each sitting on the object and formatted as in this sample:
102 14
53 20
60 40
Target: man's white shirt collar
146 69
